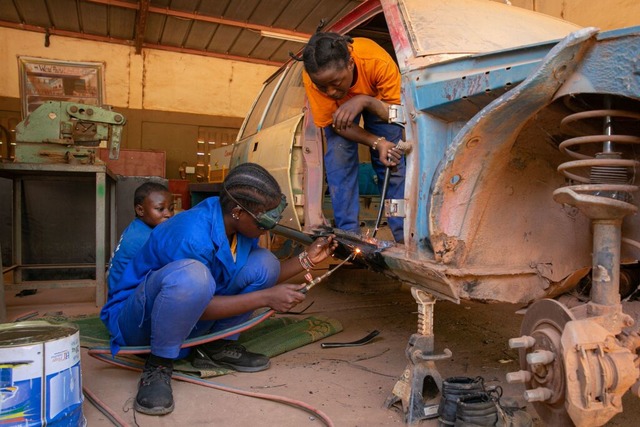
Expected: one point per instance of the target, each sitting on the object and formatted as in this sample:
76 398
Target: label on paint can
40 375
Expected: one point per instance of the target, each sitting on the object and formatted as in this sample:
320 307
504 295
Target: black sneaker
228 354
154 390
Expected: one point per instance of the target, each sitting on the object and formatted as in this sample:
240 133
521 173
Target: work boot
154 389
477 409
452 389
228 354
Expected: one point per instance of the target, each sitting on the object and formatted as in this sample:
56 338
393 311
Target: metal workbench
105 229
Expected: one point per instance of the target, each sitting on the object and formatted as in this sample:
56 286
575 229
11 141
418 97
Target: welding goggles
265 220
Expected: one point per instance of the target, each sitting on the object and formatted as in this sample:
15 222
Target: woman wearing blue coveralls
345 80
201 272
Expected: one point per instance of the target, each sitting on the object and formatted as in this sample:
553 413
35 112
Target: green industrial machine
68 132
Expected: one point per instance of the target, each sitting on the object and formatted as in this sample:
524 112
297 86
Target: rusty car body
523 131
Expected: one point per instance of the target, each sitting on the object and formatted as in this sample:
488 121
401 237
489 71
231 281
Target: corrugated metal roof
231 29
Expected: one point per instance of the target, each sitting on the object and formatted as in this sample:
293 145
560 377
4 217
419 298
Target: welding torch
305 239
319 279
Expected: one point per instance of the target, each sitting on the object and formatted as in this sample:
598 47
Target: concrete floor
349 385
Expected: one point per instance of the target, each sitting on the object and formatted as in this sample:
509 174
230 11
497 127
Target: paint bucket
40 375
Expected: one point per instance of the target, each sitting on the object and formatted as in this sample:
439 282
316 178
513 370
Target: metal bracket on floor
419 387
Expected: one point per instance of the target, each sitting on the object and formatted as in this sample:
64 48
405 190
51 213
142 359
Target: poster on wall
52 80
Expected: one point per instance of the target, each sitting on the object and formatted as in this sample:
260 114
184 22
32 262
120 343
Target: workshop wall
171 101
606 15
201 97
154 80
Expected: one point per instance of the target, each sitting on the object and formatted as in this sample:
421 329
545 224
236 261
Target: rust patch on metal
447 249
518 163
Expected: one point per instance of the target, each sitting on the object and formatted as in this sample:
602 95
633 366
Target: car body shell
485 87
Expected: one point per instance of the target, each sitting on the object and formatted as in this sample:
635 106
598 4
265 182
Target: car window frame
276 78
275 113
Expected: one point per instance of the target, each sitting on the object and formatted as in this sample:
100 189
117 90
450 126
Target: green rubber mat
273 336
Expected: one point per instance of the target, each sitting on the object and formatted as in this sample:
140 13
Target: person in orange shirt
348 81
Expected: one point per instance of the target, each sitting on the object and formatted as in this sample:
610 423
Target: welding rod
319 279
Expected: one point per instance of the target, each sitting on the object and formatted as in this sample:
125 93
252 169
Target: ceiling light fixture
284 36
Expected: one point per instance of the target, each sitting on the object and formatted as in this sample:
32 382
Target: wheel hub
544 321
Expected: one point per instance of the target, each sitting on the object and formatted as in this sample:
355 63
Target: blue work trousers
341 166
166 308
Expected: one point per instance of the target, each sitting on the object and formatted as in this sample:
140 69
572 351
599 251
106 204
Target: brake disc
545 321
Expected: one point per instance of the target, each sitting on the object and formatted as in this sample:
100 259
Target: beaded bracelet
374 146
305 262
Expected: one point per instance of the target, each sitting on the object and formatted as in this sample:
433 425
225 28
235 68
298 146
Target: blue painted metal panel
611 66
439 88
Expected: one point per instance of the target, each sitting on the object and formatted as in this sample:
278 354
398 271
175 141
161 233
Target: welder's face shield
269 219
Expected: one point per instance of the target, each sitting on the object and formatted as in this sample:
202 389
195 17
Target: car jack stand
420 378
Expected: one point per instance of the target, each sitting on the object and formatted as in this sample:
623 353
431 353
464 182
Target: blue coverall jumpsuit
185 263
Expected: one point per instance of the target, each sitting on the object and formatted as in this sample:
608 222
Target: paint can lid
32 332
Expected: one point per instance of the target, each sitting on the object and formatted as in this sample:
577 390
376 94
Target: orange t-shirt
378 76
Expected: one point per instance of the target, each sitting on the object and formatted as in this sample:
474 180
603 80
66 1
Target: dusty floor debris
348 384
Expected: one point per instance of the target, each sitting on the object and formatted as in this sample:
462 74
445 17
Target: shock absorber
603 193
599 368
576 364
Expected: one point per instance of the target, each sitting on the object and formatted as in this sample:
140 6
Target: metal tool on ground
404 147
361 341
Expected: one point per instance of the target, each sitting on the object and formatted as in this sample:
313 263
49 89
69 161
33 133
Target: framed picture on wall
52 80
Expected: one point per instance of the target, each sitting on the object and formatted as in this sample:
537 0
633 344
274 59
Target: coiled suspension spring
609 175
